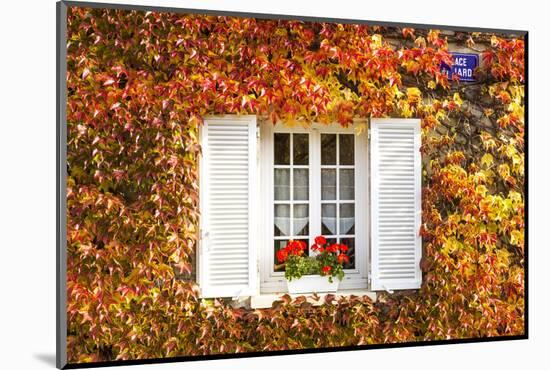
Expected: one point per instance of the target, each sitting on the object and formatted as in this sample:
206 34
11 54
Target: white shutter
227 266
395 204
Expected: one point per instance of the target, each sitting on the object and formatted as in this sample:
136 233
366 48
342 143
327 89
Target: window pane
328 149
350 242
282 184
301 220
301 184
301 149
328 184
331 241
282 220
328 219
347 184
347 219
347 150
279 244
282 149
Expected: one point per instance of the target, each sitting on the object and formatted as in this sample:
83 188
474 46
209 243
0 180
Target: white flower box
312 284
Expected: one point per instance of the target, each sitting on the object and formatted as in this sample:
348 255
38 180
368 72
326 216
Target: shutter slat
228 265
395 205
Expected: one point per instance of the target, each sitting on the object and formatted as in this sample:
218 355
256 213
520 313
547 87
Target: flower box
318 273
312 284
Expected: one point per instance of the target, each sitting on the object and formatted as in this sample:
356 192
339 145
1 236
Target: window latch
239 293
387 290
204 239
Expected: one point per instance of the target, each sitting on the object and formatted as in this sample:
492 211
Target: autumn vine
138 85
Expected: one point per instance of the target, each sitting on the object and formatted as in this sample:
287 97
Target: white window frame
356 279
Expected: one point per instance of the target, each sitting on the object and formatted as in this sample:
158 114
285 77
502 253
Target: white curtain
346 223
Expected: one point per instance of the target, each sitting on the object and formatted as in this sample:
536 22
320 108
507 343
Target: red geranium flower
326 270
333 248
282 254
296 247
343 258
343 248
320 240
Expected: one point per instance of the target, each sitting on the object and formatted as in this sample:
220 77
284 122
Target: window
297 183
308 189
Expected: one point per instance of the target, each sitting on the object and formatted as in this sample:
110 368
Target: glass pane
301 220
347 219
301 184
328 149
282 220
331 241
347 150
301 149
282 184
350 242
328 219
328 184
279 244
282 149
347 184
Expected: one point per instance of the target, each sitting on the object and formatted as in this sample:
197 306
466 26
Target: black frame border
61 180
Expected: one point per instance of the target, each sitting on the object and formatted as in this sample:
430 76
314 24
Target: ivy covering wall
138 85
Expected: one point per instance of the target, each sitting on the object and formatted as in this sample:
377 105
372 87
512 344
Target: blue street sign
463 66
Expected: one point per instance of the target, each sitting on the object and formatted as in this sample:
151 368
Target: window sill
266 300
